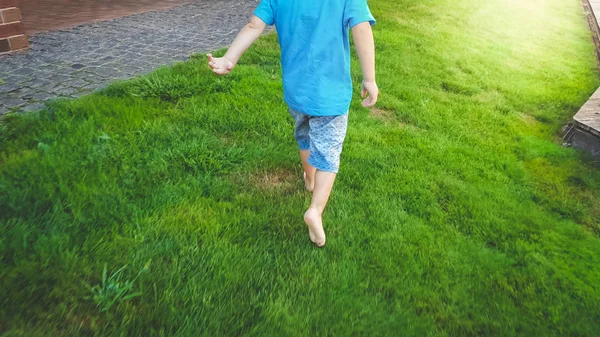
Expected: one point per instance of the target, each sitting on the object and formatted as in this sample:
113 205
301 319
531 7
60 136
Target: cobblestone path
77 61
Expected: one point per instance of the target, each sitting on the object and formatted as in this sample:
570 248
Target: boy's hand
220 65
370 89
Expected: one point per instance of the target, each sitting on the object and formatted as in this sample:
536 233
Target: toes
319 244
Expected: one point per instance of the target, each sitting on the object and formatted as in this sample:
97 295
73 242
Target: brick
4 46
18 42
8 3
11 29
10 15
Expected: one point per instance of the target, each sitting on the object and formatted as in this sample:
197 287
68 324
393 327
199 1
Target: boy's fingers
369 102
219 66
220 71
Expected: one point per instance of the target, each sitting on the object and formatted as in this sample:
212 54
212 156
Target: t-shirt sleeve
357 11
266 11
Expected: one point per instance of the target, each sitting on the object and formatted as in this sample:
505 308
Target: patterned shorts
323 136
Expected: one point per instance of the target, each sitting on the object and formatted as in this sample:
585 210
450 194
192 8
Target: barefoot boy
315 55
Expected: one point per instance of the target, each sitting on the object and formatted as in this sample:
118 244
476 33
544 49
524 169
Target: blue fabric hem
322 166
303 146
265 17
357 22
318 113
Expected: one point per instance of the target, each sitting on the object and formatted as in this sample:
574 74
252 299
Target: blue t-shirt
315 50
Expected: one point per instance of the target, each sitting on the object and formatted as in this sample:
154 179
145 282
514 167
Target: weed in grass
114 289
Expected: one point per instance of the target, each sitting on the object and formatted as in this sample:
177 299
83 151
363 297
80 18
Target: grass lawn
171 205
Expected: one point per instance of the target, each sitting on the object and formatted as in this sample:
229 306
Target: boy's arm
244 39
365 47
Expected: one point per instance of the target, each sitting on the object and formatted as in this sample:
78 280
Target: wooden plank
588 117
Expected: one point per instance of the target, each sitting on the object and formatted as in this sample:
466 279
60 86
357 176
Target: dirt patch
275 180
381 114
228 140
528 119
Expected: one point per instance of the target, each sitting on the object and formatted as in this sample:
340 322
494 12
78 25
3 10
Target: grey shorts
323 136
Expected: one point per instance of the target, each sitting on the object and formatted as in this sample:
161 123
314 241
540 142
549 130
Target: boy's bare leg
313 216
309 170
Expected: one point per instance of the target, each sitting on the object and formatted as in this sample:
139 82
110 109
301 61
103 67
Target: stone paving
75 62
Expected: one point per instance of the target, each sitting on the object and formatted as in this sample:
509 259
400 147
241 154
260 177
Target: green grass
171 205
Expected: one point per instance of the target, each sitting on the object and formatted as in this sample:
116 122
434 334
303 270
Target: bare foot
310 185
313 220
